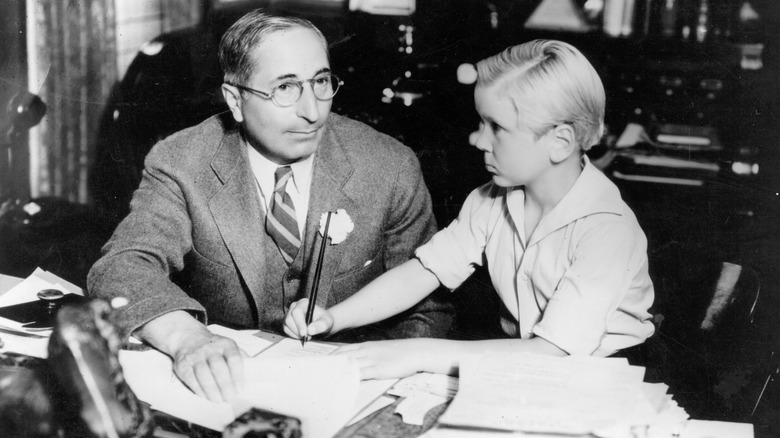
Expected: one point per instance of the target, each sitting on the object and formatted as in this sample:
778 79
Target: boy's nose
478 139
473 137
306 107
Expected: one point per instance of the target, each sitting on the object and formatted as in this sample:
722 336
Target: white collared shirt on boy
580 281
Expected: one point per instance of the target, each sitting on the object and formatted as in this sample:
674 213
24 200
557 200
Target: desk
383 423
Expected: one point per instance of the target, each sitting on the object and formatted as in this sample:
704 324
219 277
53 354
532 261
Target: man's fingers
222 377
207 382
236 365
187 375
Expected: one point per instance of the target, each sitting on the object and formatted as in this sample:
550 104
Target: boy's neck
545 193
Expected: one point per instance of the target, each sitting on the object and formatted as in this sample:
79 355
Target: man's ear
233 99
564 143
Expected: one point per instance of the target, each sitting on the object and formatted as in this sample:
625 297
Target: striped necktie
281 224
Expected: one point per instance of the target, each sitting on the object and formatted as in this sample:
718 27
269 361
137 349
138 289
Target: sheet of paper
536 393
670 421
716 429
447 432
370 390
28 289
323 390
23 292
150 376
288 347
320 391
414 407
23 345
252 345
436 384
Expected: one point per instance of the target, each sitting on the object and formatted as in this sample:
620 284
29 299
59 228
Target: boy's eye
495 126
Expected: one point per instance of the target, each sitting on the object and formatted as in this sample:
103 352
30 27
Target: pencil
316 284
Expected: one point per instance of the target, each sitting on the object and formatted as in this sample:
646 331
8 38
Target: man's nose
306 106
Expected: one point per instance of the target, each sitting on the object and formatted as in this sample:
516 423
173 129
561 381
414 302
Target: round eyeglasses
324 86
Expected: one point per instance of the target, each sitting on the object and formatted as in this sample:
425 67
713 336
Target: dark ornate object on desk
83 351
27 396
259 423
79 391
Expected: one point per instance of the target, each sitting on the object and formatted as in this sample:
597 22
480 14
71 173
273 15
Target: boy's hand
386 359
295 321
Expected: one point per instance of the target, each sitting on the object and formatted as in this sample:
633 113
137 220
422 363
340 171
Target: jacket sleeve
147 247
409 223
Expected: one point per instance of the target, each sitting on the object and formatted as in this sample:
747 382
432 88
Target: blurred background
87 87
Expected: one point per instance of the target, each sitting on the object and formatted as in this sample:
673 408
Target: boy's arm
404 357
390 294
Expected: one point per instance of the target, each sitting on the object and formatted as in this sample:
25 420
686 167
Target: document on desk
368 399
535 393
322 390
319 391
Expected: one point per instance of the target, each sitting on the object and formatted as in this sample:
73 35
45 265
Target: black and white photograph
390 218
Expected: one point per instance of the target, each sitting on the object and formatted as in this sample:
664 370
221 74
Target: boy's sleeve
452 253
606 291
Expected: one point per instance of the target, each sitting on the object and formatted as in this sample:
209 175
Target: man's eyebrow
294 76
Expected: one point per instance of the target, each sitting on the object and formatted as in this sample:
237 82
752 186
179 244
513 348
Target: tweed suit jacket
192 239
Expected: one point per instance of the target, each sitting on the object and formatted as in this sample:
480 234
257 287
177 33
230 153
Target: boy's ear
233 99
563 143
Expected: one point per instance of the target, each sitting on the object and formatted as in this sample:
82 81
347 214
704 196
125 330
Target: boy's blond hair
550 83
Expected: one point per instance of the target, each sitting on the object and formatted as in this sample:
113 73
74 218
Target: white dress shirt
299 190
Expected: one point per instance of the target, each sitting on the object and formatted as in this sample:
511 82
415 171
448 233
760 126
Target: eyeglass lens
324 87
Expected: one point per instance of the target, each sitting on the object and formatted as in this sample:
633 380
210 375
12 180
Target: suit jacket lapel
332 170
237 212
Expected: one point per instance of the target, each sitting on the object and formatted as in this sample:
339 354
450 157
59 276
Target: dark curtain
75 45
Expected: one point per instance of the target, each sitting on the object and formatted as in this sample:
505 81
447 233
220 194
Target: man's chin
298 152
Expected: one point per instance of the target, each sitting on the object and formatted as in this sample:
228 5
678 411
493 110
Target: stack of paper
570 396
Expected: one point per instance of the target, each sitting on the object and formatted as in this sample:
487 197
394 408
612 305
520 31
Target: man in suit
224 226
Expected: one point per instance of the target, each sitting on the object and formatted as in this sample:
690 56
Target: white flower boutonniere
340 225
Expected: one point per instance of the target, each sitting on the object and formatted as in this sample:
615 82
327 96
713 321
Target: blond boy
564 252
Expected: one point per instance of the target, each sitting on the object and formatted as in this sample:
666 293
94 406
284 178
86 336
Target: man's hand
211 366
295 321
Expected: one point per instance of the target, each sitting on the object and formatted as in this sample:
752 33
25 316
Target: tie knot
282 175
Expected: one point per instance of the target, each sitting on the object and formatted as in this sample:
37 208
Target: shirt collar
264 169
591 193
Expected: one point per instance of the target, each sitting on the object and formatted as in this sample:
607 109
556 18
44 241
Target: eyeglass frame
299 84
